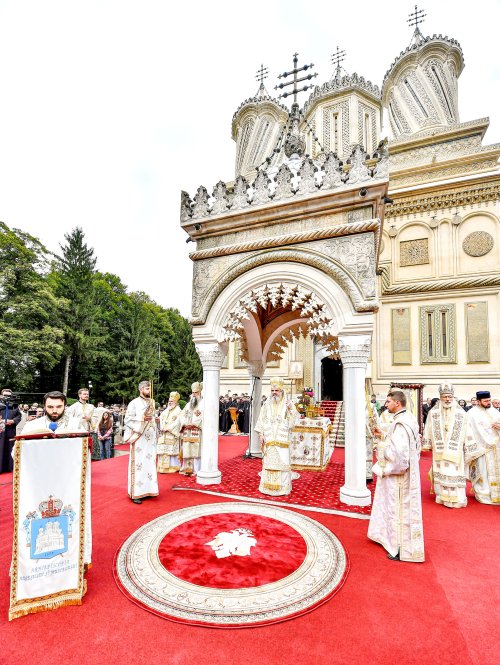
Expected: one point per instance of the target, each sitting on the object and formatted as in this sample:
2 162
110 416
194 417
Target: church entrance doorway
331 379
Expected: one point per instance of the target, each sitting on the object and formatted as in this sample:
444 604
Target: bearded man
446 434
191 423
396 518
168 441
484 472
57 418
276 419
141 434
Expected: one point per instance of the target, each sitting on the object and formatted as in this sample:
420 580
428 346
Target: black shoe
137 500
393 558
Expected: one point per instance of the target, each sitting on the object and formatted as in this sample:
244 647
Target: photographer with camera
9 419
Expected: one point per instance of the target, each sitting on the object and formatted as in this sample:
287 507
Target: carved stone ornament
261 188
333 172
186 203
200 208
240 198
211 357
219 194
359 171
284 188
354 355
414 252
478 243
307 184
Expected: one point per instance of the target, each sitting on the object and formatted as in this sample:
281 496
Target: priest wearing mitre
276 419
168 441
452 448
191 418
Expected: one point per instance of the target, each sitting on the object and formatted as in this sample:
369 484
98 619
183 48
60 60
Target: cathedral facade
439 254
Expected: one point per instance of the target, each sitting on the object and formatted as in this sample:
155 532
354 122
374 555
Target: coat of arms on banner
49 528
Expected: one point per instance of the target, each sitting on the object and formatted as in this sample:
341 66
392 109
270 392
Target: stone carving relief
478 243
414 252
437 151
445 172
342 108
354 355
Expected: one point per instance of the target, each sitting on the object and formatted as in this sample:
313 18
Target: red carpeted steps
335 411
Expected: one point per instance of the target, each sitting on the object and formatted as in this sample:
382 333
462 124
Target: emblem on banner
49 528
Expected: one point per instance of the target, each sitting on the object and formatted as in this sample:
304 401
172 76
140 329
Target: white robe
168 441
446 434
275 424
141 434
484 472
191 439
69 424
80 410
396 518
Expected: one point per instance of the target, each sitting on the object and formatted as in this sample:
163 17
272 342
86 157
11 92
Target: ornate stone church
357 259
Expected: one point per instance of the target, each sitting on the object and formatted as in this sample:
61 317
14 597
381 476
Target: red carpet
314 490
185 554
444 610
267 565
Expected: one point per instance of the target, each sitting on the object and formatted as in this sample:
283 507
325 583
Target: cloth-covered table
311 447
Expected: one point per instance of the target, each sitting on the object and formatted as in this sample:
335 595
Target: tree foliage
59 315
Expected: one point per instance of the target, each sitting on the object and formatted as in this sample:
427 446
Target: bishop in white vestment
396 518
484 472
446 434
168 441
191 431
141 434
276 419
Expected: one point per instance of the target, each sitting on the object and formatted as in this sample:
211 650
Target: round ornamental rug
231 565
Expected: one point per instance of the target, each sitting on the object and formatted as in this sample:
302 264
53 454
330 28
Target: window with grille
437 334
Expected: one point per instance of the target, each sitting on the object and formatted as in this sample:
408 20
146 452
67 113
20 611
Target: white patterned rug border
313 509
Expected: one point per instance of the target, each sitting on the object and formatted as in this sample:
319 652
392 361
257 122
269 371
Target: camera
9 400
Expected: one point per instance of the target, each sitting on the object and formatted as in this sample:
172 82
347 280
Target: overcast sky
109 108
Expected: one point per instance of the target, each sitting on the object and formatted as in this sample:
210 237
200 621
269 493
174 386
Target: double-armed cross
296 80
337 58
416 18
262 74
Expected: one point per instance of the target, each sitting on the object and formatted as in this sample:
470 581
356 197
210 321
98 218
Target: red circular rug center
261 551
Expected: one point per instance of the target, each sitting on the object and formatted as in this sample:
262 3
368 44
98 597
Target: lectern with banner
51 517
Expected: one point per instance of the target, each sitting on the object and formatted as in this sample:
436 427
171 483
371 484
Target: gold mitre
196 387
174 396
446 388
277 382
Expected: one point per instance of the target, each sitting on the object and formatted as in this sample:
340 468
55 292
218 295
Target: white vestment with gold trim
191 418
141 434
276 419
168 440
396 518
446 434
484 472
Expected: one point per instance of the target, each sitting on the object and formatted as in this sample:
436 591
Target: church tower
344 112
256 128
420 88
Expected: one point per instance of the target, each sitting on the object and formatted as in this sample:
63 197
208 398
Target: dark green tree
74 281
185 365
31 334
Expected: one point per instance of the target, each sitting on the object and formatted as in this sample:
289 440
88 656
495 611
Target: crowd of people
234 413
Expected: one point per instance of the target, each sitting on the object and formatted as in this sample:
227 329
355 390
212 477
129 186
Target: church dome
343 112
256 127
420 89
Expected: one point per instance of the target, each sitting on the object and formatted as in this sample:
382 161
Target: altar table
311 448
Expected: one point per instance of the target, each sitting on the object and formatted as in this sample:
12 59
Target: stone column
354 351
211 356
256 369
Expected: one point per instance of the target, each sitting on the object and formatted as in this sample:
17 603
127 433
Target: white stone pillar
256 369
211 356
354 352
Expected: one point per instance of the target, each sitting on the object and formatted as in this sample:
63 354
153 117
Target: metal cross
262 74
337 58
416 18
296 80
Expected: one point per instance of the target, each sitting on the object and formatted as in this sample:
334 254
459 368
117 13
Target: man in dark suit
10 417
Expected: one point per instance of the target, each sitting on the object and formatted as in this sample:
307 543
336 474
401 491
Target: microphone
53 426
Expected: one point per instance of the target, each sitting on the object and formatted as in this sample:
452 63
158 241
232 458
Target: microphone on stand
53 426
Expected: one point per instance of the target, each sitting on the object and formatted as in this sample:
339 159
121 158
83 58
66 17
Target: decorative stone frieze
277 184
452 198
389 289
